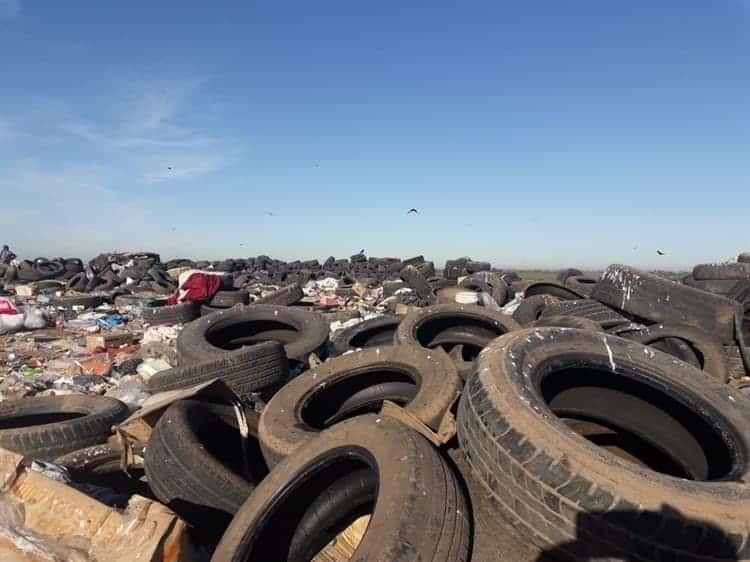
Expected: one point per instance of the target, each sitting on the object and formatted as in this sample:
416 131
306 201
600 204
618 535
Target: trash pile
374 409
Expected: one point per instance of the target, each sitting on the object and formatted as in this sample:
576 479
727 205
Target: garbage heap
381 409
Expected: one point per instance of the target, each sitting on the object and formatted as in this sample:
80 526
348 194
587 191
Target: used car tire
464 323
741 293
490 283
194 463
715 286
588 309
418 283
302 332
527 423
710 352
566 322
46 427
532 308
227 299
246 370
424 382
285 296
181 313
86 301
736 271
581 284
369 333
563 274
553 289
650 297
416 506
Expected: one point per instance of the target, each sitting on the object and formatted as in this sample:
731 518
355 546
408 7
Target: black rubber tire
50 426
369 333
581 284
588 309
427 269
710 351
715 286
247 370
194 465
227 299
736 271
206 309
412 481
563 274
532 308
425 326
418 283
100 465
566 322
735 364
181 313
553 289
744 257
463 345
489 283
575 499
302 332
285 296
343 387
86 301
741 294
656 299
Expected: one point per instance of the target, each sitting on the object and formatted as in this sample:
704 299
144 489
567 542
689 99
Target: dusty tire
574 498
566 322
50 426
171 314
302 332
741 293
489 283
194 464
227 299
715 286
563 274
710 352
86 301
744 257
418 511
418 283
581 284
247 370
469 326
370 333
285 296
735 271
588 309
532 308
552 289
424 382
735 365
100 465
650 297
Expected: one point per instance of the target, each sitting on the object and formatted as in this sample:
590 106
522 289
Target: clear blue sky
539 133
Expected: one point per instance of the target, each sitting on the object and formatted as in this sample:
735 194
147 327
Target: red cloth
197 287
6 307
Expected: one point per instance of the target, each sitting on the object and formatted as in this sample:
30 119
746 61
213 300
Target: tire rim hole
431 329
381 335
325 506
39 419
640 422
238 334
359 393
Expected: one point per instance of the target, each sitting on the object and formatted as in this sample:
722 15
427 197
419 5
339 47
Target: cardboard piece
446 430
111 339
43 519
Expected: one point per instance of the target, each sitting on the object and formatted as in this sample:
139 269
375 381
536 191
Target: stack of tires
592 419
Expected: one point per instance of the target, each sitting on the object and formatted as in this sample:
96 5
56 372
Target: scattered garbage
564 405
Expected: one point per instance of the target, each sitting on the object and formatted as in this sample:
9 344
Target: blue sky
531 134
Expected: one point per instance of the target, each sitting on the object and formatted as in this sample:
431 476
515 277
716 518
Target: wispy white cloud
10 8
153 127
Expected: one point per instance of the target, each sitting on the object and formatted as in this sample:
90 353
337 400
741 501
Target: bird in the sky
169 167
660 252
412 211
362 251
174 229
269 213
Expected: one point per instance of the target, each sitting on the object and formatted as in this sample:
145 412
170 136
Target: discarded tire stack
587 416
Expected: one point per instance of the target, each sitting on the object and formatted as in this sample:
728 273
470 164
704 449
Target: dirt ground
493 542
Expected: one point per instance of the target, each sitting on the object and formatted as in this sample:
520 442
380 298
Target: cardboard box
43 519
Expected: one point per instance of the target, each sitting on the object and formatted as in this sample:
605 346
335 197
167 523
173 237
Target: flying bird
412 211
269 213
169 167
660 252
362 251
